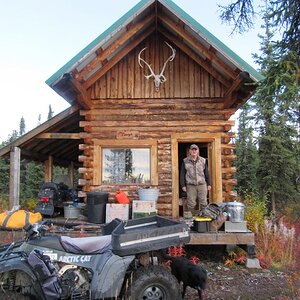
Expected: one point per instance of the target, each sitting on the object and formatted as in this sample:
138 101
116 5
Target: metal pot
235 211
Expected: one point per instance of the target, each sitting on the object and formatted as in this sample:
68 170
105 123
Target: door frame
215 164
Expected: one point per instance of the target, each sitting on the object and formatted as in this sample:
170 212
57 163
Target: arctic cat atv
120 264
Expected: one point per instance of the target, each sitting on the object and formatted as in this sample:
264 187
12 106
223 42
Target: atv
122 263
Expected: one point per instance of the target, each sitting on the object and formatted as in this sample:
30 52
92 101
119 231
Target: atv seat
87 245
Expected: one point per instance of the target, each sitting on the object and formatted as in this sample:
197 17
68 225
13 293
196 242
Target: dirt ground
241 283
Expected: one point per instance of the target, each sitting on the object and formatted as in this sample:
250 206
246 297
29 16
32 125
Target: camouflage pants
194 192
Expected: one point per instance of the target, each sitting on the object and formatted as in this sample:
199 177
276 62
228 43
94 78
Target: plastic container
96 206
150 194
71 212
235 211
122 197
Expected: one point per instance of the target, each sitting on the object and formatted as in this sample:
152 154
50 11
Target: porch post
71 174
14 178
48 169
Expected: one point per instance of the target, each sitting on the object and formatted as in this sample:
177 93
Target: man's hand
184 188
209 187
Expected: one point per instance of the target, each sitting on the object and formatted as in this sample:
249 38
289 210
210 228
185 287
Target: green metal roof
102 36
212 39
182 15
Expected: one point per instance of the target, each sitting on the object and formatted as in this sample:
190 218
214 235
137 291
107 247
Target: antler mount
157 78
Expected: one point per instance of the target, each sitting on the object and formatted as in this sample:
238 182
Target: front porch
81 228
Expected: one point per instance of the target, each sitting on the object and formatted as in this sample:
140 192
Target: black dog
188 273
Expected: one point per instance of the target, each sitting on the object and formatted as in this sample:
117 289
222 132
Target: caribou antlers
158 78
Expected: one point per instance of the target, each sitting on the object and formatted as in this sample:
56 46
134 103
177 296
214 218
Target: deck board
222 238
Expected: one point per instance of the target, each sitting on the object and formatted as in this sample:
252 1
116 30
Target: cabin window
125 162
126 165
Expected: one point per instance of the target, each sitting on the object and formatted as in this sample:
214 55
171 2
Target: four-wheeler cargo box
145 234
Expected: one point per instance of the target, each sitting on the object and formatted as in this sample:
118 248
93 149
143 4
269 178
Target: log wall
125 105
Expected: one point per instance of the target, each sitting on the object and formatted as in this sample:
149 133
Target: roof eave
107 34
211 39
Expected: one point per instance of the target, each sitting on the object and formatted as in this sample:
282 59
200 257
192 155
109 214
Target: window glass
126 165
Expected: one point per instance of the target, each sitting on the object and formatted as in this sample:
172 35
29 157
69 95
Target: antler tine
173 51
149 66
169 59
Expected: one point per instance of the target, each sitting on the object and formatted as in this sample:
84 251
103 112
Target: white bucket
150 194
71 212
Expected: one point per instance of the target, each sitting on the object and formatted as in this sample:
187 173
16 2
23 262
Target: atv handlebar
36 229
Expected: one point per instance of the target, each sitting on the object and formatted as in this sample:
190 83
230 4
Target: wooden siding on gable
185 78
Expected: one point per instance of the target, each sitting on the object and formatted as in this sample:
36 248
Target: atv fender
108 283
18 264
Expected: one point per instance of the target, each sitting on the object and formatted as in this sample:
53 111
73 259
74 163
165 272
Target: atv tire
10 295
153 283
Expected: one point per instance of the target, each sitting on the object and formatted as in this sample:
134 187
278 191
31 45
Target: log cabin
153 83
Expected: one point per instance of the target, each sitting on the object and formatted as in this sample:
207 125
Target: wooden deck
244 240
222 238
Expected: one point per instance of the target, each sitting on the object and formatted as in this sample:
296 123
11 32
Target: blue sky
37 37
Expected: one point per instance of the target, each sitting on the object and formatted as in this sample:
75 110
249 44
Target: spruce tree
246 151
50 112
22 127
275 101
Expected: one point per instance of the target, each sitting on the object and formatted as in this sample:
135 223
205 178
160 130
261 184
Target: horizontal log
94 124
226 151
84 170
62 135
82 182
96 114
82 158
228 146
229 182
174 116
88 163
229 170
164 206
160 129
82 146
82 194
158 105
143 101
229 157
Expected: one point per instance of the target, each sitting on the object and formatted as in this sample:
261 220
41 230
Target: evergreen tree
12 137
22 127
32 179
285 15
39 119
50 113
247 156
4 175
276 100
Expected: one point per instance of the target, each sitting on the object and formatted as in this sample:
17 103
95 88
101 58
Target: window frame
97 157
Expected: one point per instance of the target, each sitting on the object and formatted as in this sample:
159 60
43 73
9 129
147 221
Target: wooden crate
143 209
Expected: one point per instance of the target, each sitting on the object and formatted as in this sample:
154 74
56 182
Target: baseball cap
194 146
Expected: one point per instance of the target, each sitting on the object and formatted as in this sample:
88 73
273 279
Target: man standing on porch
194 179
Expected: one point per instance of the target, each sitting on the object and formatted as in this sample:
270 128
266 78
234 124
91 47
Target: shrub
276 244
255 211
4 202
28 204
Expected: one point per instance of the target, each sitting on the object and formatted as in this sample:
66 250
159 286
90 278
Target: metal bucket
148 194
235 211
71 212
